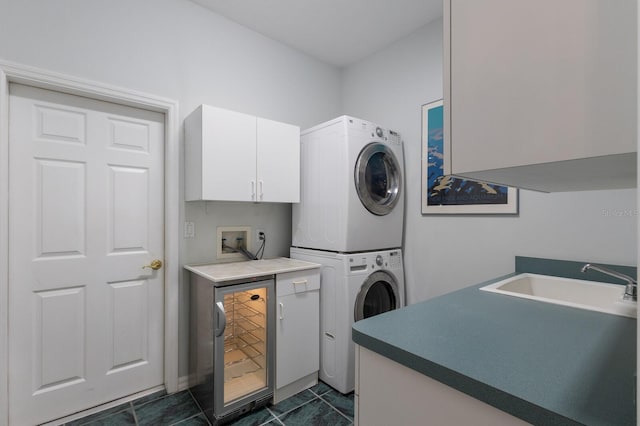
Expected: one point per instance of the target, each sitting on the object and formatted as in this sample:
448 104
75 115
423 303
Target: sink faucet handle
631 292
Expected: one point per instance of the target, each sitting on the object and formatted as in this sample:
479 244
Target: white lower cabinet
297 332
388 393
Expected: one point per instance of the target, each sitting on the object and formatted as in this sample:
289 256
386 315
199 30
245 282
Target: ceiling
338 32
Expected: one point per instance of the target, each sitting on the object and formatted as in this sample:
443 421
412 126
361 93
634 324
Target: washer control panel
394 138
374 131
372 261
357 263
394 259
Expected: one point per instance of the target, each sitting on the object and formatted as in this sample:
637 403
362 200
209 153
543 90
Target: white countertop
220 272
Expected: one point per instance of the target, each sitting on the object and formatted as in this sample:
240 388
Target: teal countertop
546 364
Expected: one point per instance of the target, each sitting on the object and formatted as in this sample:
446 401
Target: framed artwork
443 194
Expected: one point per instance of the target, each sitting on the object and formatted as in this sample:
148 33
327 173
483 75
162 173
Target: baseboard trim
103 407
183 383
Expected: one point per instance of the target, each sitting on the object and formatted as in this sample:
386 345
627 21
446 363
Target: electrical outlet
260 235
189 230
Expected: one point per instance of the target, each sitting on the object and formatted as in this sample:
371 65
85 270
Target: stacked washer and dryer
350 220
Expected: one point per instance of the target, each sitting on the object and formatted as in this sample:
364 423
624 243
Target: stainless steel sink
582 294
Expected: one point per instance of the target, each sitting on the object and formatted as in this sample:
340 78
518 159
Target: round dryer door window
378 294
377 178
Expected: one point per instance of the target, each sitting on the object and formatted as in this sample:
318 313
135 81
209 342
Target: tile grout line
335 409
277 417
274 416
184 420
271 412
319 394
198 405
135 416
165 396
100 415
297 406
150 401
271 419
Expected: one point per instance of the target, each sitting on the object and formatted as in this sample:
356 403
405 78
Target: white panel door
86 214
278 161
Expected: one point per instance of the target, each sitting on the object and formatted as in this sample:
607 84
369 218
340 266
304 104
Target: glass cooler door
244 337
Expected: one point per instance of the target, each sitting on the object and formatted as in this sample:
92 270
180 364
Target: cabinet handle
261 190
281 310
253 190
297 288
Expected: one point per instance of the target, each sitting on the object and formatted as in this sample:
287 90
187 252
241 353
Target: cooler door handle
222 319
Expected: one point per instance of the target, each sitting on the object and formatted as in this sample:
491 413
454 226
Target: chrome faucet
630 291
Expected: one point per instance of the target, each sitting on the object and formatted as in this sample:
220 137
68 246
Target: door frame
17 73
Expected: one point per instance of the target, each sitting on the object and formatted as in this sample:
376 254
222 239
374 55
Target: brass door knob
155 265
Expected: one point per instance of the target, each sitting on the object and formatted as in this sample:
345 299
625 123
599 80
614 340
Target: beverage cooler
232 337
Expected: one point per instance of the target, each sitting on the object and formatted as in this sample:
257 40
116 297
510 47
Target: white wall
444 253
176 49
179 50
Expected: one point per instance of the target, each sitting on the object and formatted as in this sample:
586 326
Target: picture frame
442 194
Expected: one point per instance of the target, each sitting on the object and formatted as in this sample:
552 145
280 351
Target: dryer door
378 294
378 179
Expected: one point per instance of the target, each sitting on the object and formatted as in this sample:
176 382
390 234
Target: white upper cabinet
231 156
278 161
541 94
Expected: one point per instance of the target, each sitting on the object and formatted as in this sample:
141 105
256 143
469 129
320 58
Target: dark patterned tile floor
318 406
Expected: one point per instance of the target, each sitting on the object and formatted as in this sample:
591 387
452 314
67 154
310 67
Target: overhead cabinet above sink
231 156
541 94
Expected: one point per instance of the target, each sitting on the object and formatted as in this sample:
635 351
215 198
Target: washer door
378 179
378 294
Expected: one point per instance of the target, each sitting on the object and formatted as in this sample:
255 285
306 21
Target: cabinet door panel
540 81
298 344
278 165
393 394
228 155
